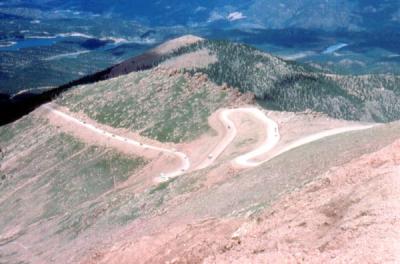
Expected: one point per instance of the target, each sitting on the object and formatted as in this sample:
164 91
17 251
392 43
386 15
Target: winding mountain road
318 136
270 126
273 137
246 160
185 162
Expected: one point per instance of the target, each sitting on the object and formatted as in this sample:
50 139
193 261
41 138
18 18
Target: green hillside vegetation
380 94
172 107
165 107
289 86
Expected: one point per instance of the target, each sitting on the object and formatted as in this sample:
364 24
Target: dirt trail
269 125
246 160
272 139
318 136
185 163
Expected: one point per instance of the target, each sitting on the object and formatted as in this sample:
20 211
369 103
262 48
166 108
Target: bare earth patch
198 59
349 215
176 43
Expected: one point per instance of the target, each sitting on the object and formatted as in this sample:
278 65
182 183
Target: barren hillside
217 153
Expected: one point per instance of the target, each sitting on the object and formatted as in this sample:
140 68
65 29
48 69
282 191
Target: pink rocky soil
348 215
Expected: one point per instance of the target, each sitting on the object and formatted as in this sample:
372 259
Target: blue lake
42 42
31 43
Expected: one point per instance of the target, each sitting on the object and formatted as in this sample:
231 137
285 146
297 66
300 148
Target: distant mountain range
276 83
310 14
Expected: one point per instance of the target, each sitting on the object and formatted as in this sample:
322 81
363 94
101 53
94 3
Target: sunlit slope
290 86
161 104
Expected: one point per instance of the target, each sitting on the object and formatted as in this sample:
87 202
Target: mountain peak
174 44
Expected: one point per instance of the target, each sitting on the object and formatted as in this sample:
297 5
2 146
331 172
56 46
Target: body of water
334 48
97 44
30 43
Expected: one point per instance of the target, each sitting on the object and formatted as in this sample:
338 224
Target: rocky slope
348 215
71 196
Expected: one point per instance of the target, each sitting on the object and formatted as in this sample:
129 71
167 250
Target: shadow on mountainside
14 107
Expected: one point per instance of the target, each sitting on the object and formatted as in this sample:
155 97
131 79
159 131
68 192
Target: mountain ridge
311 14
277 83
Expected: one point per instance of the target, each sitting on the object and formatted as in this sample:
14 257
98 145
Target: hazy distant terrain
47 43
312 14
